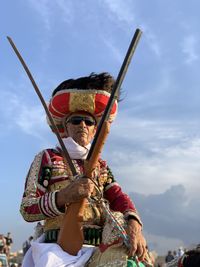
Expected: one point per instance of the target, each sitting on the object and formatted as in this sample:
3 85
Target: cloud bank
168 216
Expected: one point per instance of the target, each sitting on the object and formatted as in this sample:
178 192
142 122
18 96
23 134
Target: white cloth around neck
75 150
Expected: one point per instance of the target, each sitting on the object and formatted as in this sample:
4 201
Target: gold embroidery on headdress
85 102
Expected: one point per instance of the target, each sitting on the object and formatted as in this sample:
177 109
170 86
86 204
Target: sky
153 147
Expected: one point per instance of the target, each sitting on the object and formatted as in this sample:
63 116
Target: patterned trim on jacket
48 174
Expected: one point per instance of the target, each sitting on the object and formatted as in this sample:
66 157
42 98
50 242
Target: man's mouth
81 132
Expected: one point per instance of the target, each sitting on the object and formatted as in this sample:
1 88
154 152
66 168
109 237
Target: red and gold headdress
66 100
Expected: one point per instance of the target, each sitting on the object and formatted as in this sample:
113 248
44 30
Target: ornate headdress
86 94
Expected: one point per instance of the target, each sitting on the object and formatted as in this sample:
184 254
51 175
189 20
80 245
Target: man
169 257
9 242
2 244
77 106
180 252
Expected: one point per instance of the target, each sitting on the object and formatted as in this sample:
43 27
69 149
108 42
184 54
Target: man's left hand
137 240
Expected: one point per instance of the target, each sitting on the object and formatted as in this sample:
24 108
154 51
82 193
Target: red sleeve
37 203
119 201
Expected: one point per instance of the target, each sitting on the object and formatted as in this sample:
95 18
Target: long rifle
55 129
71 241
115 90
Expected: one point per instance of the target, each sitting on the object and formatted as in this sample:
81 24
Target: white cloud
189 46
157 211
153 156
31 119
48 10
43 7
17 112
114 50
151 40
123 10
67 10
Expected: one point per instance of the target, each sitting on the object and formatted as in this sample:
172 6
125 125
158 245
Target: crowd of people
5 244
171 255
181 257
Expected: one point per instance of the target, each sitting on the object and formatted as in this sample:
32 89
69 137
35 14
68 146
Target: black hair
102 81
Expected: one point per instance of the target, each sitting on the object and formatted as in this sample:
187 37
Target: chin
81 142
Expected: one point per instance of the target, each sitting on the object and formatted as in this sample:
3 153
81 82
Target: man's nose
82 123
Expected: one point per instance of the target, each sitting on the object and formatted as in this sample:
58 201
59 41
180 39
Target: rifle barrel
65 152
116 87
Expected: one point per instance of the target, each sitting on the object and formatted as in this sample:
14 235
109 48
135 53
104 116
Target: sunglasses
76 120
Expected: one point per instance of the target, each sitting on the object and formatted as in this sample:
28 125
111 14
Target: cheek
69 130
94 131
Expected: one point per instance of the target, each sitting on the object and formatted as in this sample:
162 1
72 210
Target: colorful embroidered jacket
48 174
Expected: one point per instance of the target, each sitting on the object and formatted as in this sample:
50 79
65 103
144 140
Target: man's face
81 127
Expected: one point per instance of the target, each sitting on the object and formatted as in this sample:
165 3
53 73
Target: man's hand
137 240
74 192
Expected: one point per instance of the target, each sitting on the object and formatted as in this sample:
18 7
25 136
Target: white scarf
75 150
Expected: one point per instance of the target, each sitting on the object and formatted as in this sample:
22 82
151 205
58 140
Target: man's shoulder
53 150
47 157
49 152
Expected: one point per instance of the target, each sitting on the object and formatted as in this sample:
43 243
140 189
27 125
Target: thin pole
55 129
116 87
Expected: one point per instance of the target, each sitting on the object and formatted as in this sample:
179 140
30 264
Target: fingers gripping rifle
71 241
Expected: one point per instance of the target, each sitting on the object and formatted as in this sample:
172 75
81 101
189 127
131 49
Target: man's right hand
77 190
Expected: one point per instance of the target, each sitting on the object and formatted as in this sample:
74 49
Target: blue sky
154 144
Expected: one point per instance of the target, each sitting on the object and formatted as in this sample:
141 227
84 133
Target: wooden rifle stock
71 237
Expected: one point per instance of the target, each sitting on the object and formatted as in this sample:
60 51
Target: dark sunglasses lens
89 122
75 121
78 120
